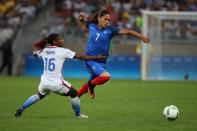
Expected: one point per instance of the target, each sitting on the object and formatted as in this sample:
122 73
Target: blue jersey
99 39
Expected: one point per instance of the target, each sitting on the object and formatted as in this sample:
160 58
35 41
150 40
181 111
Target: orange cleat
91 92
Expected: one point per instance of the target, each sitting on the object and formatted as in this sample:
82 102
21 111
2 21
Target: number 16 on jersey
49 64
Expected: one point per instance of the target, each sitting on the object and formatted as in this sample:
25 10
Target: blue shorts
95 68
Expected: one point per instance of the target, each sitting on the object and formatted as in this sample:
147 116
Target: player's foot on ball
91 92
19 112
82 116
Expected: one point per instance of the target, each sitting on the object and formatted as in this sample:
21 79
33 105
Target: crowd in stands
16 13
124 13
13 15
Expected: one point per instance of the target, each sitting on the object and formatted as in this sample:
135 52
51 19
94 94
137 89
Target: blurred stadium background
121 105
172 54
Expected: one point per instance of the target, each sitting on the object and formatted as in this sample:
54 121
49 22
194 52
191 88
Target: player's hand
146 39
82 17
102 57
35 54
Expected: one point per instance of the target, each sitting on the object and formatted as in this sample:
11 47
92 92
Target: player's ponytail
40 45
94 17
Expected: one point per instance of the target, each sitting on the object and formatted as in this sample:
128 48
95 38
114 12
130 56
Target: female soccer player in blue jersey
52 79
100 35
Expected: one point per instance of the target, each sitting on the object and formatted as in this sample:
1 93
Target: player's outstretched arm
85 57
135 34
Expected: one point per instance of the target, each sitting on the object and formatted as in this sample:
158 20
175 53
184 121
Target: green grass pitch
120 105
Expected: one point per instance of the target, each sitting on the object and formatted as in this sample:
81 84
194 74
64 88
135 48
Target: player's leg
31 100
68 90
101 76
75 102
99 80
84 88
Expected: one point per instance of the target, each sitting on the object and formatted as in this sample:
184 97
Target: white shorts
61 88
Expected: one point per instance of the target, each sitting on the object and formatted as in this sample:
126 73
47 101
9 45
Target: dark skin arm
85 57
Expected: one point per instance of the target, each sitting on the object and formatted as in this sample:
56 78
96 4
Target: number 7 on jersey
97 36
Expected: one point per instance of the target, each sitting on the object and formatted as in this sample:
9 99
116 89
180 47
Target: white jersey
53 58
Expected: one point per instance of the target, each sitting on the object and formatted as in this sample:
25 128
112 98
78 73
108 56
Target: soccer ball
171 112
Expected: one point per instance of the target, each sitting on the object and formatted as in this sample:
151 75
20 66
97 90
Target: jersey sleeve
68 54
115 30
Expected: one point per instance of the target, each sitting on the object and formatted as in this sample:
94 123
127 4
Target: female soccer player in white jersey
100 35
52 79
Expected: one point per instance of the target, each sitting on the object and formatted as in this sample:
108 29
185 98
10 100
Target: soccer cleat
81 116
91 92
19 112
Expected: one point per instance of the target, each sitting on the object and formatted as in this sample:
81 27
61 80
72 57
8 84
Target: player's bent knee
72 93
105 74
99 80
41 96
106 78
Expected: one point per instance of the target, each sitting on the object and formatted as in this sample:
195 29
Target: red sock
100 80
96 81
83 89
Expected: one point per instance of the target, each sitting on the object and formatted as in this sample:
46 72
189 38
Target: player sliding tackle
52 79
100 35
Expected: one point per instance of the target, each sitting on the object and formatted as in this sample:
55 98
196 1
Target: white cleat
81 116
